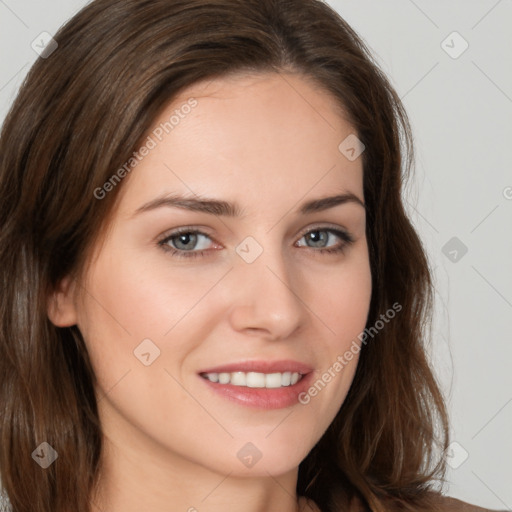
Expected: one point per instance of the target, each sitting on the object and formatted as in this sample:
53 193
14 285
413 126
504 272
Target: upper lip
281 366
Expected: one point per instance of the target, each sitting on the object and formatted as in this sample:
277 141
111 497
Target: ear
61 304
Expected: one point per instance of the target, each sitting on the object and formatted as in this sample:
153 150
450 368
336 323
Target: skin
270 143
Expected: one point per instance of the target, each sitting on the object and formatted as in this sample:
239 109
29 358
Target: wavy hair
80 114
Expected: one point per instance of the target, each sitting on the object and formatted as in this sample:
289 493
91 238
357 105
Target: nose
266 299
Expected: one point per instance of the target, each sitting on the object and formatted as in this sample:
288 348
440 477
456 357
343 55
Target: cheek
343 309
140 299
128 301
342 298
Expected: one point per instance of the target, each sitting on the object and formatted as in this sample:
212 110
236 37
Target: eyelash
343 235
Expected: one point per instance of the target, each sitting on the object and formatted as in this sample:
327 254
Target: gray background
460 105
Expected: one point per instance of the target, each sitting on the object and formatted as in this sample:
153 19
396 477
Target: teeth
286 378
224 378
273 380
255 379
238 379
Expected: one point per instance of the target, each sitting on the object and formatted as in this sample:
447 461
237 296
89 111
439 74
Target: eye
185 243
321 237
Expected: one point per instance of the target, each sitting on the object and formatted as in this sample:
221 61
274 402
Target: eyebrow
228 209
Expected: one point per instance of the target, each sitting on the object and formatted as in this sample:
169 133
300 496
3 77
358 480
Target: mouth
255 379
259 384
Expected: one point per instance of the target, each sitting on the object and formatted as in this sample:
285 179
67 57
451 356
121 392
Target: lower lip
262 398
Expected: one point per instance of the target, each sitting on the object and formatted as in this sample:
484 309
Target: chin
263 455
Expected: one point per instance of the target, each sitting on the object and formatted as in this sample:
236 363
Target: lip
281 366
261 398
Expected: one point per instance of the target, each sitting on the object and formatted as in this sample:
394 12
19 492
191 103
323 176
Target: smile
255 379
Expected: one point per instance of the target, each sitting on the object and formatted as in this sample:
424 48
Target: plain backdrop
450 62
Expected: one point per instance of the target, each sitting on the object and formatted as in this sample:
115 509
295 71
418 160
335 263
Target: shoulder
449 504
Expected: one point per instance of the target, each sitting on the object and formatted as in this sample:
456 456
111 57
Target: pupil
317 236
186 239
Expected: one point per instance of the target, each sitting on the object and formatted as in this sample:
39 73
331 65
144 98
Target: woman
212 295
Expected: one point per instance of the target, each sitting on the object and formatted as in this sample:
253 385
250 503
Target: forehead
257 136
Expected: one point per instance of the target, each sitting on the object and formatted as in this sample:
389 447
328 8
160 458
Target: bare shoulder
449 504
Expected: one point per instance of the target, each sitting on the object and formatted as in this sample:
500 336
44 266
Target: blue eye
184 243
321 236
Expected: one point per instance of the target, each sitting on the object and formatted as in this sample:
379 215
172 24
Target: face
222 273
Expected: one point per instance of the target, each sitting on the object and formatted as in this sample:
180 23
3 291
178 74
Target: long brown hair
79 116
